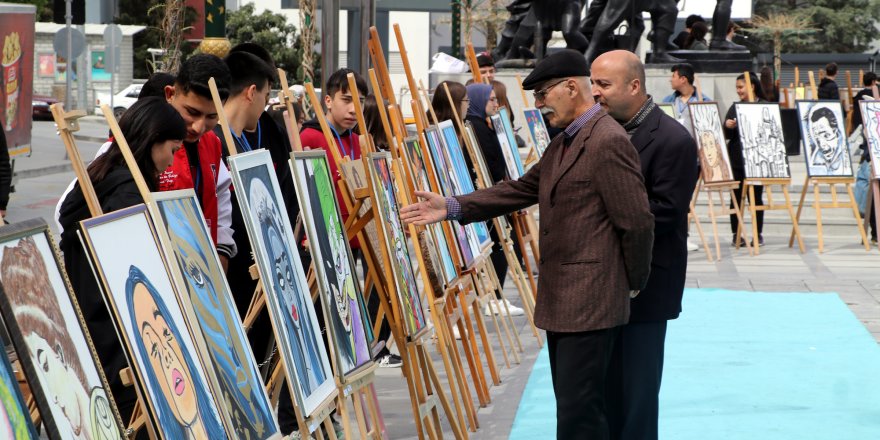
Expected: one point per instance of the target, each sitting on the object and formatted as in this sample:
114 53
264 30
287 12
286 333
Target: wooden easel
418 367
692 216
831 182
720 189
68 123
873 200
322 414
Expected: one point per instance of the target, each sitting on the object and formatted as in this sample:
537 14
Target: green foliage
271 31
845 26
44 8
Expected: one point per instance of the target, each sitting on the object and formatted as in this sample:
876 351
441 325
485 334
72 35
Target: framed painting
468 244
763 145
46 63
462 174
143 301
209 302
50 337
484 177
412 311
15 420
415 157
355 177
871 123
823 130
712 150
537 129
344 308
501 123
288 298
667 108
99 71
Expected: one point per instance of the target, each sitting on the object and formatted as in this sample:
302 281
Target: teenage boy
341 117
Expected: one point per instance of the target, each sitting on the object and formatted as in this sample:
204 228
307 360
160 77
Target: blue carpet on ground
751 365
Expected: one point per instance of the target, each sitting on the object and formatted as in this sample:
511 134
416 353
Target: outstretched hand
431 209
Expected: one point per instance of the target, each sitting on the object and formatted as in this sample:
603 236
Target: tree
271 31
44 8
847 26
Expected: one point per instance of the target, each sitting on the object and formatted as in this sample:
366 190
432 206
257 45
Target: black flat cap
562 64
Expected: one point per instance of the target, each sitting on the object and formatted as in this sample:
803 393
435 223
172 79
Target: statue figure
605 17
720 19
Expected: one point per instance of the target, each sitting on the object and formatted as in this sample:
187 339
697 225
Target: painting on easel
144 302
714 162
826 148
344 308
189 245
15 421
55 351
462 175
468 243
415 156
538 130
288 298
871 118
385 197
504 132
667 108
763 145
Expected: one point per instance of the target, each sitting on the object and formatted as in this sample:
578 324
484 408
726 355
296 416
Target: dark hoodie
115 192
828 89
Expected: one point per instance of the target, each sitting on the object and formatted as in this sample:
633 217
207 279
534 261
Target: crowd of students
177 143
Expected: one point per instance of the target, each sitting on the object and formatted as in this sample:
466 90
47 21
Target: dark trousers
499 260
633 381
759 201
578 365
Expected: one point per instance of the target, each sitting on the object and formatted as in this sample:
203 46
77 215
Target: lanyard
341 145
245 145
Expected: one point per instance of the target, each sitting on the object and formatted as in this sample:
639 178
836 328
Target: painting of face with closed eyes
173 378
53 348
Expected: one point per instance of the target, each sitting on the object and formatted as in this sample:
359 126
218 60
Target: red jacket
180 176
312 137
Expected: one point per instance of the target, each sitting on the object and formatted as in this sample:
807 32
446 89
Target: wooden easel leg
692 215
508 320
409 367
475 364
451 373
342 409
817 205
754 211
375 415
359 414
875 184
457 426
794 221
800 208
484 338
714 222
520 239
858 217
487 296
458 369
431 396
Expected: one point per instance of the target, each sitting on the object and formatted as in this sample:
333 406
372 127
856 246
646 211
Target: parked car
41 105
121 101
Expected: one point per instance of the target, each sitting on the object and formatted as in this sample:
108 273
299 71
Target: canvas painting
54 349
287 293
823 129
714 161
210 300
484 177
537 129
504 132
871 118
462 174
667 108
15 421
384 193
467 243
355 179
415 157
760 130
144 302
344 308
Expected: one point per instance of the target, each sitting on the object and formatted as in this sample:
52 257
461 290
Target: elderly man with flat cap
596 236
669 164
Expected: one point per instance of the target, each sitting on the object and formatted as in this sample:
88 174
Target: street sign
112 43
77 42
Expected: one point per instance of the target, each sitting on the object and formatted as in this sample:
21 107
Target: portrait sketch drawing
714 162
826 149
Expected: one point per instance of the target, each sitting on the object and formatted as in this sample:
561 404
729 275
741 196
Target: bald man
595 236
668 156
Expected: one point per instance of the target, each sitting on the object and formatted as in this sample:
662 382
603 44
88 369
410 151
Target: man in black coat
828 88
668 156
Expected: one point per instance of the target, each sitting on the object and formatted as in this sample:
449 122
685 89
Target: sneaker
390 361
498 307
760 240
295 435
691 246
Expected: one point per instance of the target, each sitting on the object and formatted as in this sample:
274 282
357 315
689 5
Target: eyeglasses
541 94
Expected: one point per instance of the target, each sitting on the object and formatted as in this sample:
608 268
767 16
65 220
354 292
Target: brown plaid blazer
596 228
